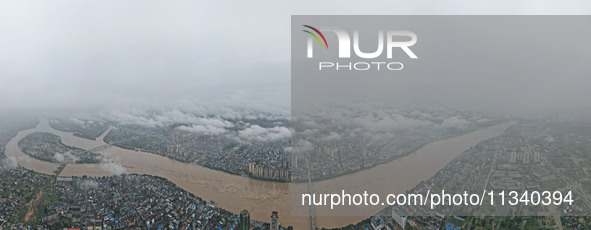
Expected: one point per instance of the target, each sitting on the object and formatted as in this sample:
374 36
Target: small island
49 147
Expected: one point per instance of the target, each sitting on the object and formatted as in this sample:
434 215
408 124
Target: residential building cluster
132 202
264 160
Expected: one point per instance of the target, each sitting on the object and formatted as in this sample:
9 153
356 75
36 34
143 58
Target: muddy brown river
236 193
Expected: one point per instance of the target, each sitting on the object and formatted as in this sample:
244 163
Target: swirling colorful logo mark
319 33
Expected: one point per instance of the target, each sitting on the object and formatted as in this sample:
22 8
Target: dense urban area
532 154
130 201
268 157
262 159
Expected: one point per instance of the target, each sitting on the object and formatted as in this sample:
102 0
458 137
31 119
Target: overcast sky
114 53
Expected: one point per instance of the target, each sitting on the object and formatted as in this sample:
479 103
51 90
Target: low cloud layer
66 157
207 126
113 167
89 184
8 163
258 133
454 122
377 124
233 117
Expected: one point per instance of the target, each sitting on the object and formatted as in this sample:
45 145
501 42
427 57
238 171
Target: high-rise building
537 156
526 157
274 220
399 218
513 157
244 220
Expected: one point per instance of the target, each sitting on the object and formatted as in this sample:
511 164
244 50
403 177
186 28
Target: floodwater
236 193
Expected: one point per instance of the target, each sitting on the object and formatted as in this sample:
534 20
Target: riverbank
236 193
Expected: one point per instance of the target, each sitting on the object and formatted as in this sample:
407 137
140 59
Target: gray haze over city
197 55
195 99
